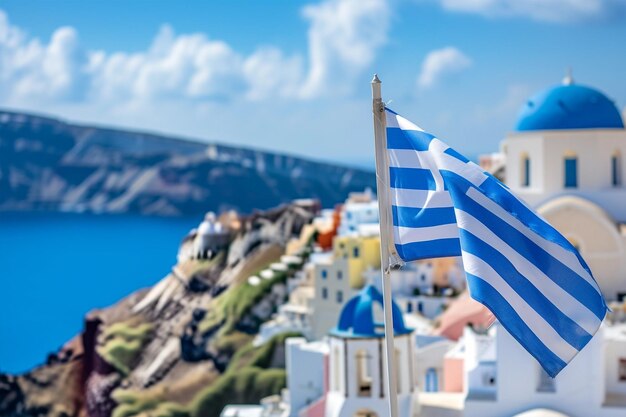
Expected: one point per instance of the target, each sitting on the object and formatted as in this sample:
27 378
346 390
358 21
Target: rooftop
569 106
357 317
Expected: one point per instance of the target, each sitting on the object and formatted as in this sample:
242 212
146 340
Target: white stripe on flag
406 158
470 171
561 254
406 235
402 197
435 159
399 122
533 320
560 298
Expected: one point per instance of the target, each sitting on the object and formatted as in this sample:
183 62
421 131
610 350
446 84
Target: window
339 297
616 173
339 274
571 172
355 252
525 170
489 380
324 273
420 307
324 293
423 277
432 380
409 307
363 374
621 375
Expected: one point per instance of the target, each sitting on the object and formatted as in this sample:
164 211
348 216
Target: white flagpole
384 209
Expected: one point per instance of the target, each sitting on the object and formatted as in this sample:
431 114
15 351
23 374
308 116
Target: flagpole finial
376 84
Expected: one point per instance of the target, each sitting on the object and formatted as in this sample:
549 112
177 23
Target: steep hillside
182 348
48 164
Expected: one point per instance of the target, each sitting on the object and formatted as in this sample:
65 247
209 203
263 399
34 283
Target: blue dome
569 106
357 317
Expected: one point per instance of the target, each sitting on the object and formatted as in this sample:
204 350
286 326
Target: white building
331 290
502 379
295 315
566 158
357 363
205 241
343 375
307 379
415 286
360 209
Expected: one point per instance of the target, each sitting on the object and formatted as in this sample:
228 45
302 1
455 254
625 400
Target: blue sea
55 267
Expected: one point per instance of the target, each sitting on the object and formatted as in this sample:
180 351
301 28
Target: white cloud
189 66
31 69
441 63
560 11
343 38
269 73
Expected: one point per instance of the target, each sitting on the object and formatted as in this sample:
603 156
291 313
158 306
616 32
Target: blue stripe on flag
429 249
422 217
456 155
567 279
412 178
408 139
460 183
569 330
485 294
498 192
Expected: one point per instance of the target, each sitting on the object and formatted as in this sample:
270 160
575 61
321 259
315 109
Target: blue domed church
357 361
565 157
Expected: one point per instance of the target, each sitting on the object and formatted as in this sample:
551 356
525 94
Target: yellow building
361 252
339 275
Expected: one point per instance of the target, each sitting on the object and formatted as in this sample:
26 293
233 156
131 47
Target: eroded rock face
11 396
47 164
155 344
98 389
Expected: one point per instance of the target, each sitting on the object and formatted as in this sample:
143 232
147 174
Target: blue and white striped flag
532 279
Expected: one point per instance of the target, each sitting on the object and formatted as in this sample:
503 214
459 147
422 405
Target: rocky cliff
182 348
48 164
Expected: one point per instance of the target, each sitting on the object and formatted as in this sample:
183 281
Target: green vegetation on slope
230 307
131 403
121 343
248 385
249 376
248 379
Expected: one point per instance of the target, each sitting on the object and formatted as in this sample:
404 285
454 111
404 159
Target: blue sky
293 76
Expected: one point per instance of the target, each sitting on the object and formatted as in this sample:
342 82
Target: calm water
56 267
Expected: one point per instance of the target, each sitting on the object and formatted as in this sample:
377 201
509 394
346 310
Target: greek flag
532 279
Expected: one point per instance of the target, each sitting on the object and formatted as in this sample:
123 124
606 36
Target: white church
344 375
566 158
